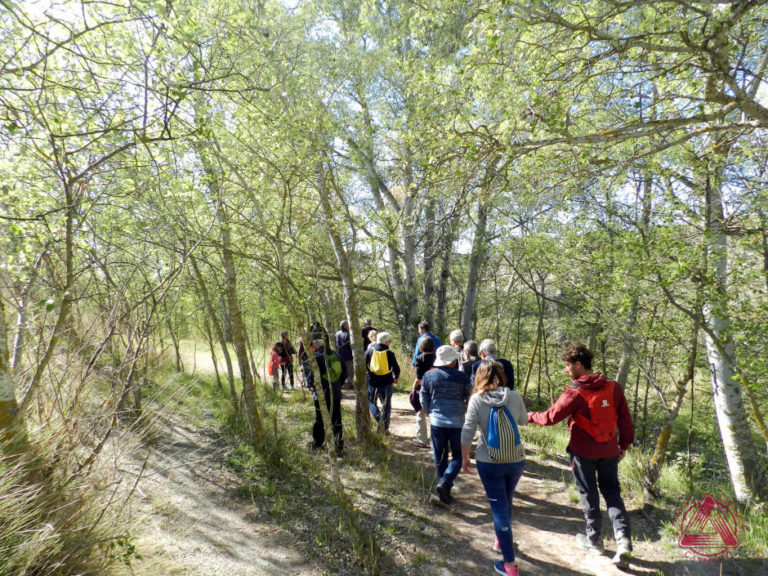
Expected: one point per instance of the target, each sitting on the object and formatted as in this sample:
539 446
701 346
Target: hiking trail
194 523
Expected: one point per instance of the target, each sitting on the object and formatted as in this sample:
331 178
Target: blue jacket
343 345
509 371
416 350
444 395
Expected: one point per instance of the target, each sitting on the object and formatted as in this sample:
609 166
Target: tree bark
66 299
362 412
476 260
659 456
430 251
239 336
21 321
11 425
441 293
742 457
218 329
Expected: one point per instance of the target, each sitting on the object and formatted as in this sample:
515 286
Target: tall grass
55 519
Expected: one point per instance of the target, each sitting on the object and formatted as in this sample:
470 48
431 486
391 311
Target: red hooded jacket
571 402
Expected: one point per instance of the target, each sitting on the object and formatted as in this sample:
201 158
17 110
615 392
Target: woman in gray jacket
499 477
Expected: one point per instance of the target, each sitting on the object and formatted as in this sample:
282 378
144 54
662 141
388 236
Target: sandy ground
193 525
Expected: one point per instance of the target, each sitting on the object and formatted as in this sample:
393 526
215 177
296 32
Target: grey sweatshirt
479 411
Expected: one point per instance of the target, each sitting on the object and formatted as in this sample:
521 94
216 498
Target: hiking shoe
623 553
434 499
586 544
505 570
444 493
496 545
418 444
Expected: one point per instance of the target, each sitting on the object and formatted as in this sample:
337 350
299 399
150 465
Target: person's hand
622 453
395 382
466 465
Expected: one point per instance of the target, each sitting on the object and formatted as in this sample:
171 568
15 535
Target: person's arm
425 394
560 410
468 434
626 427
466 463
516 406
395 365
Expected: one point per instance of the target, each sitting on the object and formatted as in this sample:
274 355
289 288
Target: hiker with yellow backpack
383 372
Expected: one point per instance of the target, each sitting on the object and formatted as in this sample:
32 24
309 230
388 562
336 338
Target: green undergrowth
356 532
683 479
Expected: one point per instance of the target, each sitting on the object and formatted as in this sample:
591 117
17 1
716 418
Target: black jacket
379 381
509 371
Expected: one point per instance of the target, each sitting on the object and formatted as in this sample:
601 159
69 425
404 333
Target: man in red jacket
595 407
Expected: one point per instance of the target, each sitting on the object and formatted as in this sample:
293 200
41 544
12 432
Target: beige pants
421 430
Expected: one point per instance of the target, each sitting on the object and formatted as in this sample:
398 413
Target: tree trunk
362 412
475 262
741 455
66 298
430 251
239 336
11 425
662 442
21 321
179 363
235 317
212 348
441 293
218 329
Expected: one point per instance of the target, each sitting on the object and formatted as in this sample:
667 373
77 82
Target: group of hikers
461 387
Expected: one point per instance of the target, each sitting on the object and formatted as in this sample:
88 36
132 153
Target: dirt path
545 521
192 522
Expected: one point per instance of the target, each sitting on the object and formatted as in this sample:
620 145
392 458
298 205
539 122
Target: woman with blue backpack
500 456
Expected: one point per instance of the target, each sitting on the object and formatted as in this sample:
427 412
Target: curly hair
578 353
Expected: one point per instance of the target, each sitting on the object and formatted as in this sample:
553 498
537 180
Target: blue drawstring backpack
503 437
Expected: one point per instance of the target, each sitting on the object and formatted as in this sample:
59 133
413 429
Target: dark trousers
590 475
283 369
333 403
443 440
350 369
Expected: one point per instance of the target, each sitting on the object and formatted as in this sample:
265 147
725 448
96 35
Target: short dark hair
424 325
426 345
578 353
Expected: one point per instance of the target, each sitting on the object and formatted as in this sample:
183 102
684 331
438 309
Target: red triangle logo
708 528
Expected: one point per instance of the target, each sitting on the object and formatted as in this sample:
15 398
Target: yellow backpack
379 363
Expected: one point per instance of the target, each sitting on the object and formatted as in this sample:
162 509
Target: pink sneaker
496 545
506 570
